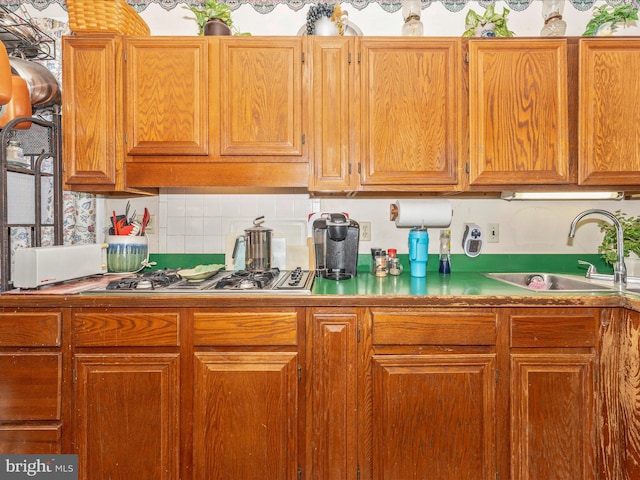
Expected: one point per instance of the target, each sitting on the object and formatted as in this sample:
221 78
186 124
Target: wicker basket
100 16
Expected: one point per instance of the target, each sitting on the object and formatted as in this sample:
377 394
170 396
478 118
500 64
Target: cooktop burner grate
245 280
296 281
146 281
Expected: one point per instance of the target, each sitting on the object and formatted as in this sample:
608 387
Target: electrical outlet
365 231
151 226
493 233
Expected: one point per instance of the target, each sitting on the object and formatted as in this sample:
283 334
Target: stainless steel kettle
258 250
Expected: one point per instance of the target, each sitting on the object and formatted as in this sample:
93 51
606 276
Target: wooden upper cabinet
334 165
91 99
609 119
93 115
518 112
167 96
410 110
260 111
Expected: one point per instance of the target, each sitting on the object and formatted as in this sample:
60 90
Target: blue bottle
418 252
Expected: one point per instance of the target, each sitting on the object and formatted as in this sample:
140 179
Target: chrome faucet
619 269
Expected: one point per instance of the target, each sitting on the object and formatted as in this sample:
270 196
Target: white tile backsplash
193 221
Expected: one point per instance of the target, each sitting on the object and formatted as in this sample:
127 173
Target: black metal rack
42 148
23 39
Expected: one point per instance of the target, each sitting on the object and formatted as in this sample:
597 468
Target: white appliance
39 266
472 240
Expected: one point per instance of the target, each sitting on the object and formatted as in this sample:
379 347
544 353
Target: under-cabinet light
562 195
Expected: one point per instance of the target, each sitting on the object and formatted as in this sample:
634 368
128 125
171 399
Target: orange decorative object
6 85
19 105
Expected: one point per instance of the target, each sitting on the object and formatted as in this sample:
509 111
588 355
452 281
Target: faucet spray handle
591 268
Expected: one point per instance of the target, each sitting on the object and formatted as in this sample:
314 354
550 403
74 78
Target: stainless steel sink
541 282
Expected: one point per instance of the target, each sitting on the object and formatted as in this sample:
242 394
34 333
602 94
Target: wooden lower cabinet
434 416
126 370
325 393
31 381
247 372
457 393
245 411
552 398
127 415
332 409
433 401
619 396
553 360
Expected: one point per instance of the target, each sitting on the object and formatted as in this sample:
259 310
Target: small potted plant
489 24
213 18
631 240
606 18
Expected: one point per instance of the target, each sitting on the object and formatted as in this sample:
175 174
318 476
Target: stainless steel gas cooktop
274 281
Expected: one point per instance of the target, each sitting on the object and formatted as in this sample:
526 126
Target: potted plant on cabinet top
606 18
631 241
214 18
489 24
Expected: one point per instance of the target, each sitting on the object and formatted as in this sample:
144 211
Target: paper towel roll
421 213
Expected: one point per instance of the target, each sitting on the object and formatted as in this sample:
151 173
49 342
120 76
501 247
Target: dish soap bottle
445 251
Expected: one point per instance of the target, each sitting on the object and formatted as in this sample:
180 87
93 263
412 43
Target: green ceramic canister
126 253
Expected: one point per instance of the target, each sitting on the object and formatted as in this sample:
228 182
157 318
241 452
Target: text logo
39 467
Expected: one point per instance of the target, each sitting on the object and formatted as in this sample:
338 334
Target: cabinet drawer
245 328
29 440
553 330
20 329
30 386
433 328
120 329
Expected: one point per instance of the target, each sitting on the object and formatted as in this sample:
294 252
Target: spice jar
380 263
395 267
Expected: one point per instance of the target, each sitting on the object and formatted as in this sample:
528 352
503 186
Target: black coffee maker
336 239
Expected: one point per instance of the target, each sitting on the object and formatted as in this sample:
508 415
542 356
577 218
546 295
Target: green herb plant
212 9
472 20
607 13
631 237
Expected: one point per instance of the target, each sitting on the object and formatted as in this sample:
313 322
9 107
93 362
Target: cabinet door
609 120
334 165
167 96
410 108
333 424
434 416
127 415
92 118
553 412
553 408
244 417
518 112
261 97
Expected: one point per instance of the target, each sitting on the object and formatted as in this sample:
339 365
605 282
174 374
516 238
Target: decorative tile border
266 6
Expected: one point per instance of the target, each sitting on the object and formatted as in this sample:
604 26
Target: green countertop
466 279
434 284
